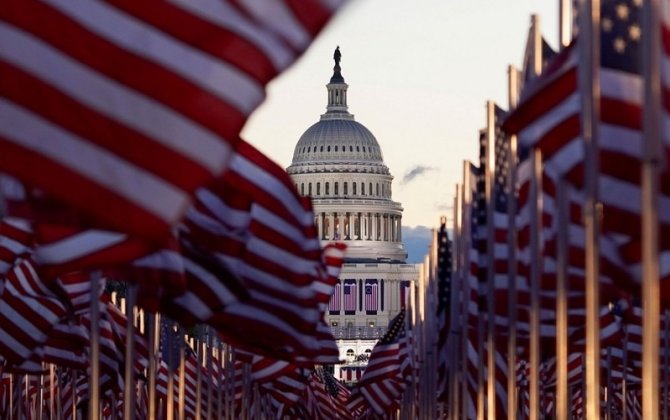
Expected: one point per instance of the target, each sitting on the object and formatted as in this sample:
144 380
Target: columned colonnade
365 226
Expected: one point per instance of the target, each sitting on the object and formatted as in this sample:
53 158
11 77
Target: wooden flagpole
513 94
589 34
489 171
94 377
650 177
129 383
562 394
535 241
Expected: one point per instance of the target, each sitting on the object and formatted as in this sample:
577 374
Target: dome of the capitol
337 140
339 164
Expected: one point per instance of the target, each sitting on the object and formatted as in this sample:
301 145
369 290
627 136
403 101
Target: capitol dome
339 164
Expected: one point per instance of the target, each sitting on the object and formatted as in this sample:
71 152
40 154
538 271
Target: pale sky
419 75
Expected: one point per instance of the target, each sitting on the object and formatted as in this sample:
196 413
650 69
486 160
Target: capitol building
339 164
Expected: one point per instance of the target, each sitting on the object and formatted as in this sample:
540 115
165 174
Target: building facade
339 164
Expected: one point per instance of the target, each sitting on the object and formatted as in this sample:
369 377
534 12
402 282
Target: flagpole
650 174
535 232
466 233
94 377
589 34
210 365
198 374
182 375
129 382
562 395
153 320
564 20
454 319
513 93
490 256
624 379
535 278
170 370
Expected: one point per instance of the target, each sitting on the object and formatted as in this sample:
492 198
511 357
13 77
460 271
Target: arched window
370 188
318 188
350 354
309 149
302 188
309 188
336 189
336 148
322 148
327 188
328 149
362 188
351 148
345 188
353 186
358 148
377 190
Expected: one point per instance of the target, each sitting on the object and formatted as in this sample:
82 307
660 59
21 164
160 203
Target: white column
319 221
331 226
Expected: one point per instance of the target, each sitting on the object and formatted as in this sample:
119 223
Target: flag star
619 45
622 11
607 24
634 32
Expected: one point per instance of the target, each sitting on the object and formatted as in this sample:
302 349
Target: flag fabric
371 296
382 383
444 273
335 300
90 77
349 296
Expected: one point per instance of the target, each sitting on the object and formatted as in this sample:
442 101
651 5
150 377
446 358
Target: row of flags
123 173
559 233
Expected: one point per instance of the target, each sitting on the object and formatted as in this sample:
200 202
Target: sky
419 75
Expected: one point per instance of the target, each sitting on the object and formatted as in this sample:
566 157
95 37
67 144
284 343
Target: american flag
382 383
349 296
91 77
336 300
444 272
371 296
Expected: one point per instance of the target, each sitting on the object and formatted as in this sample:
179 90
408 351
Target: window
377 189
350 354
353 186
309 149
328 150
336 148
302 188
345 188
327 188
336 189
318 188
334 323
362 188
310 189
358 148
321 148
351 148
370 188
371 324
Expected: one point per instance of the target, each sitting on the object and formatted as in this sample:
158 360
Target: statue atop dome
337 56
337 75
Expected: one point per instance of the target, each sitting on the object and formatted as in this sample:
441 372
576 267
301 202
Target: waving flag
127 107
371 296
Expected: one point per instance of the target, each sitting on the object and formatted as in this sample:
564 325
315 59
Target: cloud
414 172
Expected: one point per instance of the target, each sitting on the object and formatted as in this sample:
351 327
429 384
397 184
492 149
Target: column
360 227
319 224
331 226
347 226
